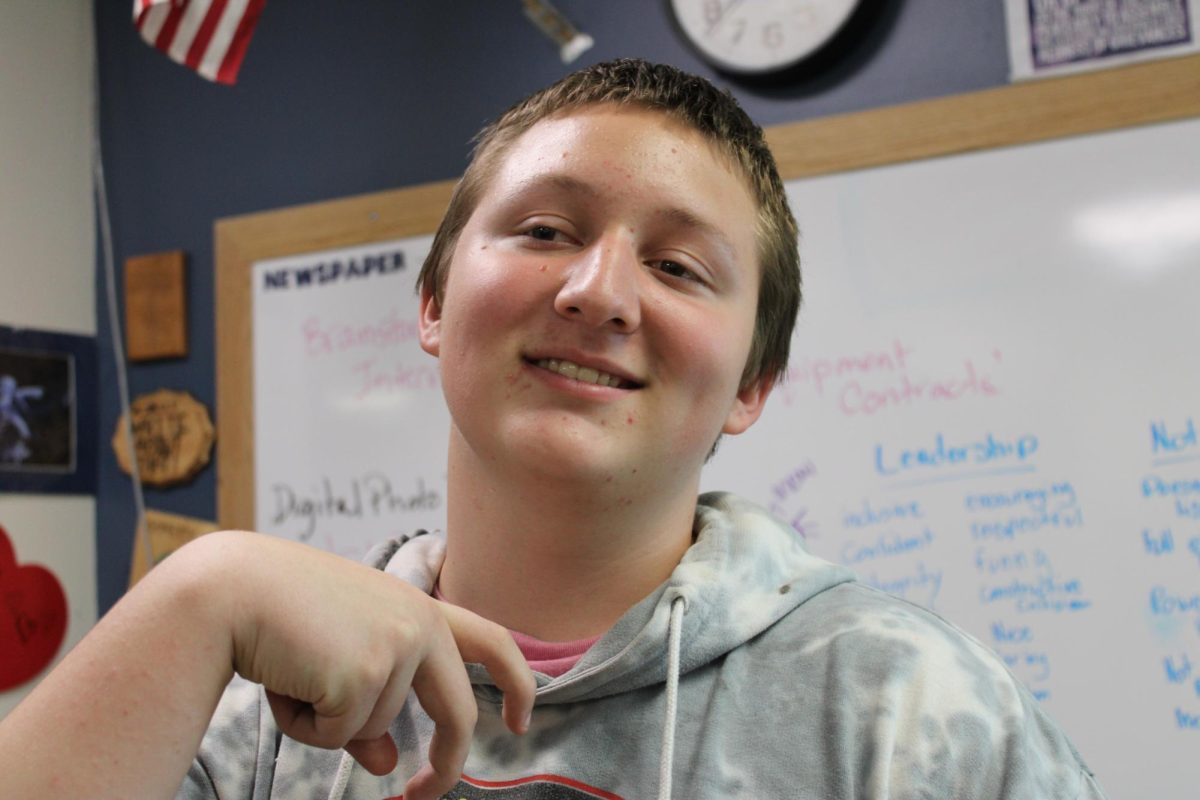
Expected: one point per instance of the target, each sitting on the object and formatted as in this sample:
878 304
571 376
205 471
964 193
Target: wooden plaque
173 435
156 306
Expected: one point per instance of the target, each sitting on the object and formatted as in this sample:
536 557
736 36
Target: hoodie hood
744 572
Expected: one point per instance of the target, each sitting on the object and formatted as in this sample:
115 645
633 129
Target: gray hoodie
756 670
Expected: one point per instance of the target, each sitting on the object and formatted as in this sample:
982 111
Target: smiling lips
569 369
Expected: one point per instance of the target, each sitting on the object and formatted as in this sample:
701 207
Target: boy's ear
430 323
748 406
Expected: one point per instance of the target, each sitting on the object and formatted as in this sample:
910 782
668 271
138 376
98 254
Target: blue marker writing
987 451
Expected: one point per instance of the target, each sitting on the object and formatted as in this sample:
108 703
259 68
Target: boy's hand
338 645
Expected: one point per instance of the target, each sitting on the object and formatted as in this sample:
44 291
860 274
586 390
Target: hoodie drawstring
667 758
342 778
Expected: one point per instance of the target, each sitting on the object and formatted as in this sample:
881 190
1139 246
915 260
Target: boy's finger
428 784
484 642
443 690
390 702
378 756
301 721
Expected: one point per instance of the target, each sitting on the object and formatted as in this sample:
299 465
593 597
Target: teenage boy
613 288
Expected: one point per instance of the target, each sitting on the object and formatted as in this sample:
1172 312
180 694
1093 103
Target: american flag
209 36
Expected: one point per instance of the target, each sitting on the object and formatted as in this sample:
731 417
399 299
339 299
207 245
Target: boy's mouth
569 369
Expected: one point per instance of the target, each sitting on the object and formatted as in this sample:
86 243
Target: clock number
750 39
741 28
773 35
712 12
806 18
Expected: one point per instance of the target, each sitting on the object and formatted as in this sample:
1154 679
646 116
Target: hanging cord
342 778
667 758
114 324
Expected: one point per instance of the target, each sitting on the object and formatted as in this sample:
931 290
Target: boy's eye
676 270
543 233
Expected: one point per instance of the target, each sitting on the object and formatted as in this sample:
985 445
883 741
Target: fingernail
527 721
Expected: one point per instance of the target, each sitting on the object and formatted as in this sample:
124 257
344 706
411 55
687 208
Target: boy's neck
554 557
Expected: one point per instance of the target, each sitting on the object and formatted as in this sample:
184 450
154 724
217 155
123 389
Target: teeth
575 372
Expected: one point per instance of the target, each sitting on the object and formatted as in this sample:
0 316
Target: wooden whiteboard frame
1016 114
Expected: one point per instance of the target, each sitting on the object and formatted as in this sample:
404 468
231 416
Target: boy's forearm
123 714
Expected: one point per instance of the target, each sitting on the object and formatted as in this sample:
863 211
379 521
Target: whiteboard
991 410
350 425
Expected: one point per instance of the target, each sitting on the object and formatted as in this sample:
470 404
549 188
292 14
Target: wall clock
763 39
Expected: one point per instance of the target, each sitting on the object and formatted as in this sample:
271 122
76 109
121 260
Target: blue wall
341 98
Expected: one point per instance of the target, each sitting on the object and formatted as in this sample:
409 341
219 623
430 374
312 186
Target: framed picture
47 412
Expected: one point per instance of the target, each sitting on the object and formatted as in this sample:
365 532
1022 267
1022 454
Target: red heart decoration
33 617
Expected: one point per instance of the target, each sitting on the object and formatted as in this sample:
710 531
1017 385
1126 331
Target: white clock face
760 36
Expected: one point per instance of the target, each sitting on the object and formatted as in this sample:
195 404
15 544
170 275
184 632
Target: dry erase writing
871 381
1016 646
371 494
1047 593
1174 444
332 271
1015 530
885 545
819 371
886 541
1019 512
1170 541
1002 633
921 584
1017 525
968 381
874 514
1166 602
786 502
993 563
374 376
1183 492
942 455
1038 498
323 337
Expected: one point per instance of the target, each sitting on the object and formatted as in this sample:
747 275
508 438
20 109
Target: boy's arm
336 644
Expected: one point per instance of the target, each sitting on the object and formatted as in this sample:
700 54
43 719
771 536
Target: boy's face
616 246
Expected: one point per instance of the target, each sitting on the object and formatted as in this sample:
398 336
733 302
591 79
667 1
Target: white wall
47 254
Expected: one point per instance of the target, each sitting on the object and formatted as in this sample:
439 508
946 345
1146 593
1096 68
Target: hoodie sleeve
237 755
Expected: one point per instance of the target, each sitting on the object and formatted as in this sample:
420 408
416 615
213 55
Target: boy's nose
601 288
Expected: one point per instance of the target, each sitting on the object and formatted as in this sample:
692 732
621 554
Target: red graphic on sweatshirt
535 787
33 617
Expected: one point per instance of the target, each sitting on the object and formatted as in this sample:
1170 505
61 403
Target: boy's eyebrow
682 217
675 215
561 182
